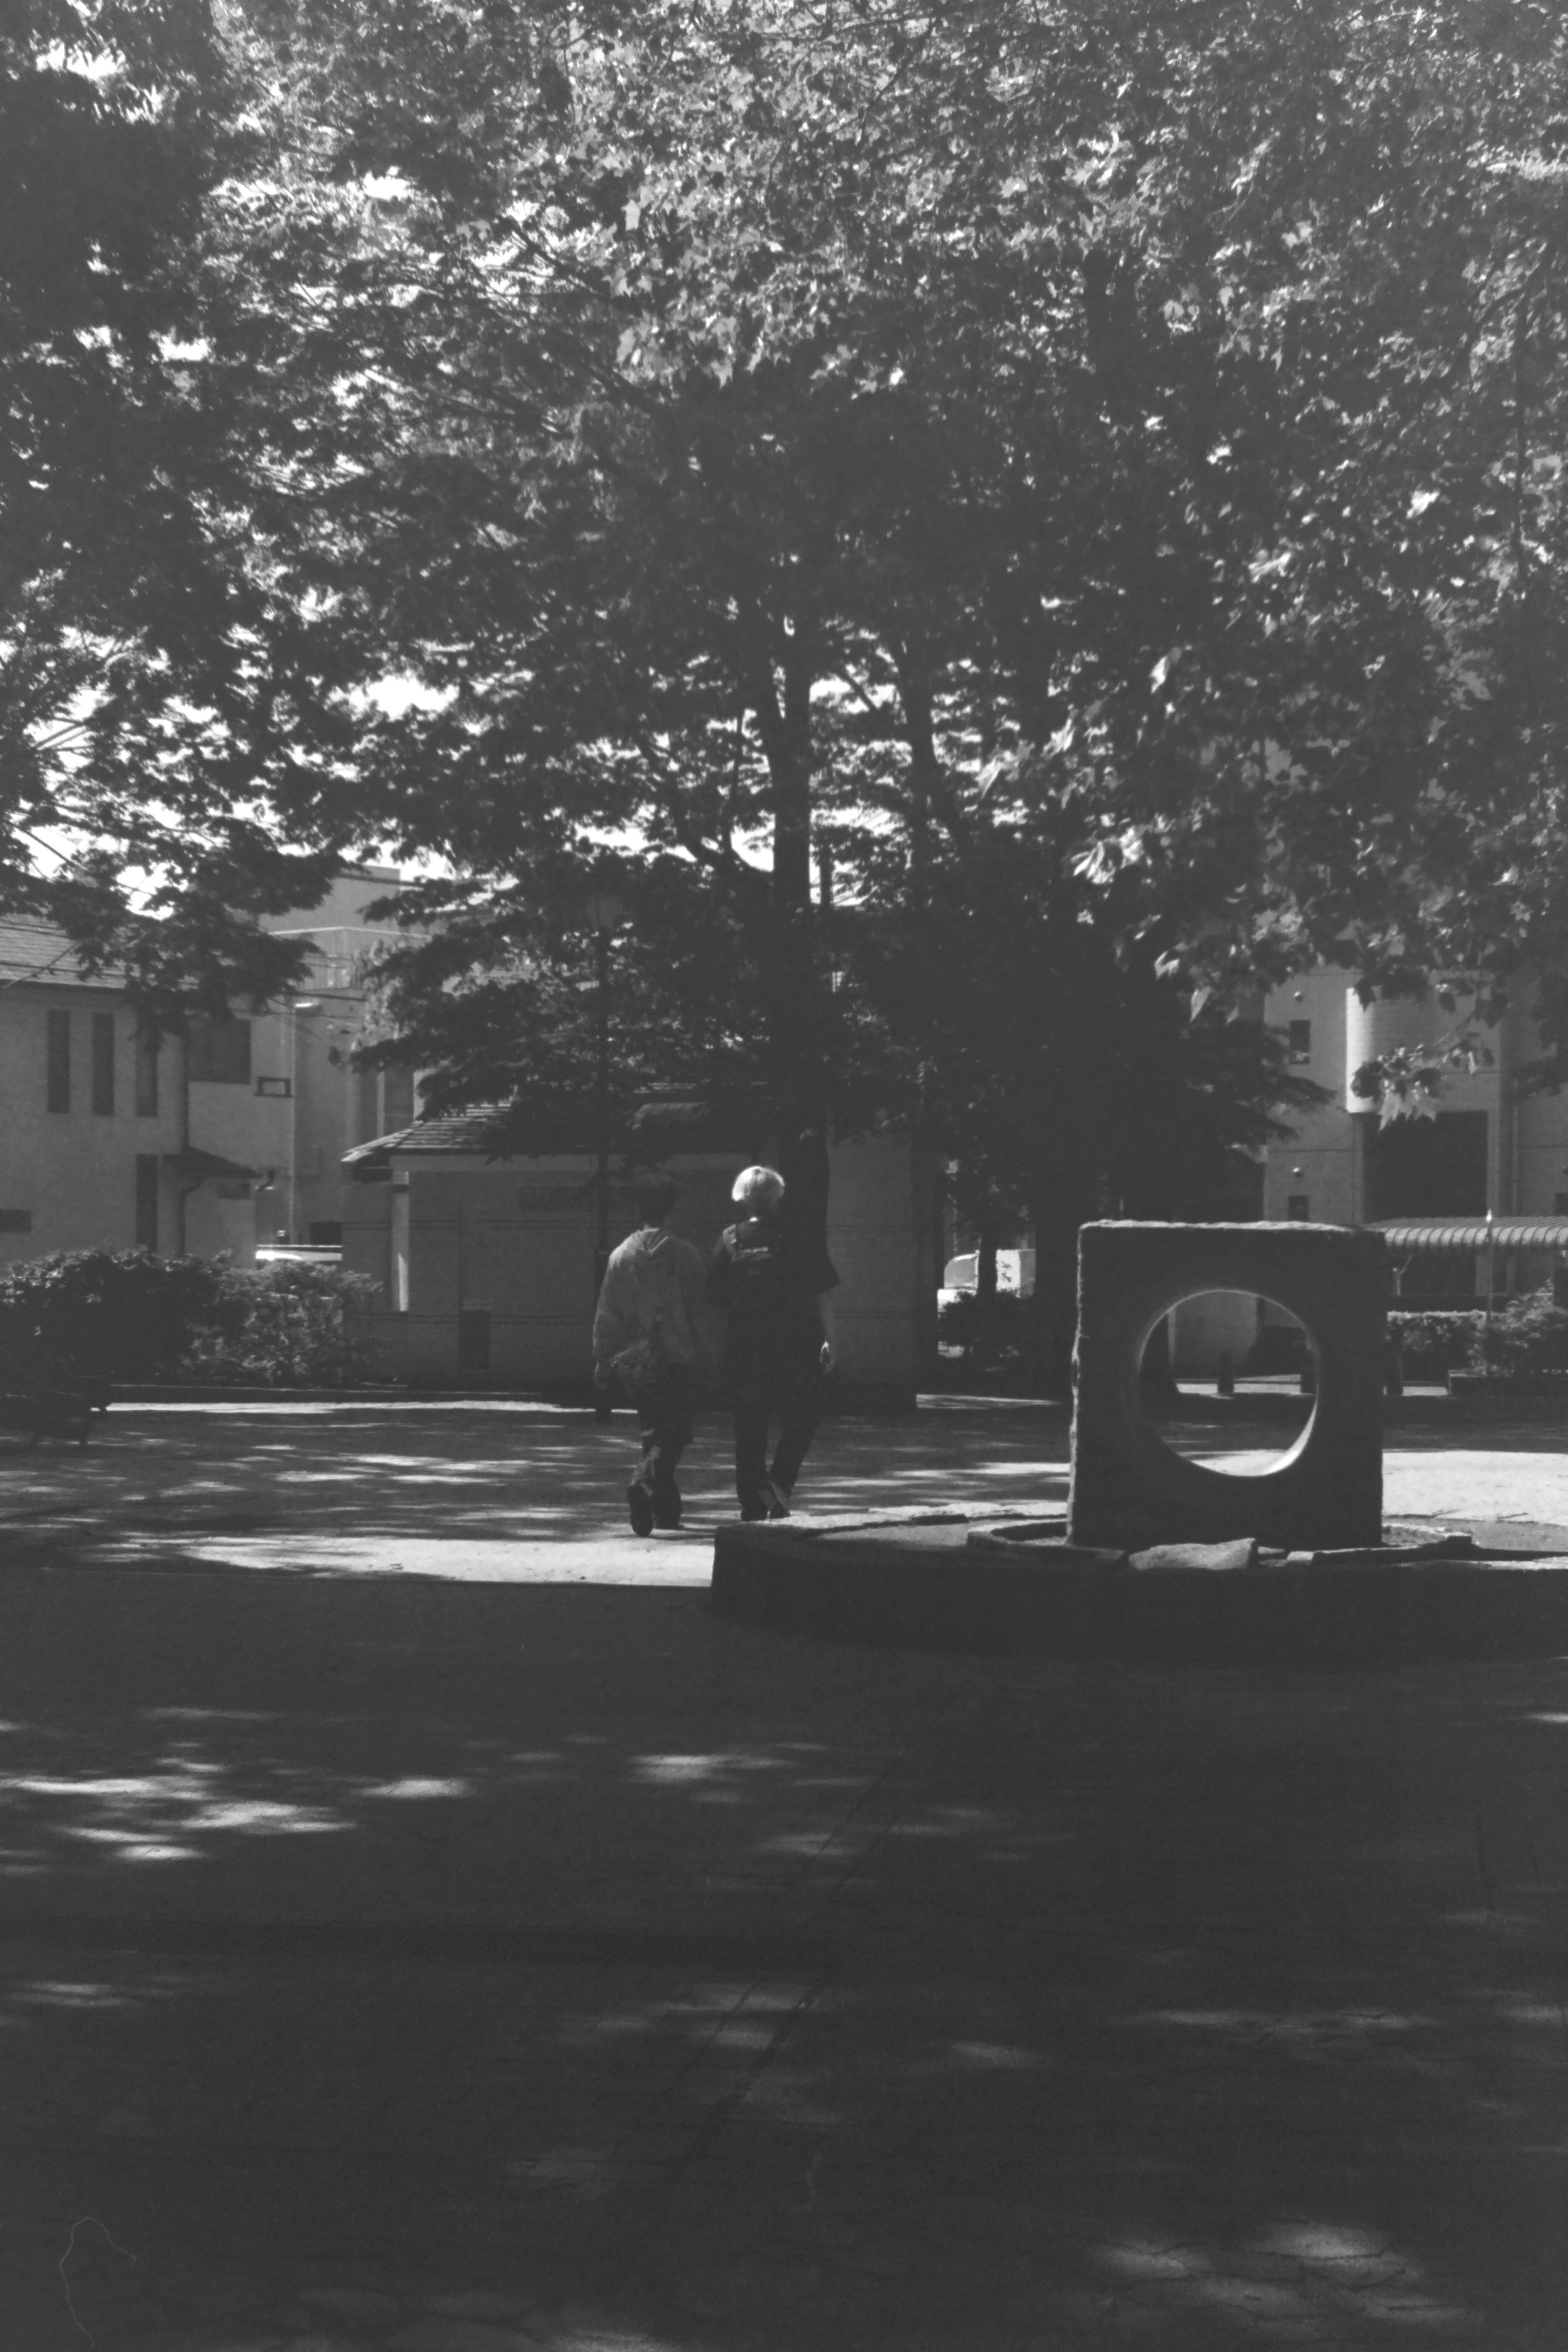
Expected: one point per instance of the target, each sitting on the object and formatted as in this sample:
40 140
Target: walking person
773 1281
648 1342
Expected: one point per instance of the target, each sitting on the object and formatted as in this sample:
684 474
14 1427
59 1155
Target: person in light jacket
653 1289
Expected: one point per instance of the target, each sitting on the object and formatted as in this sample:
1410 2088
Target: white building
485 1263
1489 1149
234 1134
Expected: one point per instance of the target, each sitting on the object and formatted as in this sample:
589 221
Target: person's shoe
754 1510
639 1503
665 1524
777 1502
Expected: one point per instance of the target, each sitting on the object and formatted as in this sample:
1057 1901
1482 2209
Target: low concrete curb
927 1588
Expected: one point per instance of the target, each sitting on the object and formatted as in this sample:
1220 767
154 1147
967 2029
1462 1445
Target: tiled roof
459 1130
660 1127
30 950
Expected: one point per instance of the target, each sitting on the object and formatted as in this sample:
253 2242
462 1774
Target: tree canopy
893 481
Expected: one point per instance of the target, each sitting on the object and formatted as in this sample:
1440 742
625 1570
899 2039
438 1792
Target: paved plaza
428 1927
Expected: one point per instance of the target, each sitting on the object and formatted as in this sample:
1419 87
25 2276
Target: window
1299 1046
219 1052
1299 1206
401 1284
58 1026
103 1064
326 1231
147 1042
1560 1204
147 1200
1428 1167
15 1221
284 1086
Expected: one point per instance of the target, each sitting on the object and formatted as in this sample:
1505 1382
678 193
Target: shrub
989 1336
123 1313
1529 1334
1433 1345
132 1316
288 1324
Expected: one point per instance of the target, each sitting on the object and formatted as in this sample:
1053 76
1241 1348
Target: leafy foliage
131 1316
1435 1343
1529 1334
1014 527
288 1325
125 1313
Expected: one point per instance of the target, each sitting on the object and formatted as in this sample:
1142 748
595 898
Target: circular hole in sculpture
1229 1380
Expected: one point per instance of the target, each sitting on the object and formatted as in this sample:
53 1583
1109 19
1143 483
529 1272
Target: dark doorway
1428 1167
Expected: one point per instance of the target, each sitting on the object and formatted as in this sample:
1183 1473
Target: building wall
72 1174
514 1242
1324 1163
69 1178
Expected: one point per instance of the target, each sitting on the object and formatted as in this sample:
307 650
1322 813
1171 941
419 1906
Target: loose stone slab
1129 1487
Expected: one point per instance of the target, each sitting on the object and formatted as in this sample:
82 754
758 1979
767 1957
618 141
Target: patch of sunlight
670 1771
415 1787
145 1850
999 2054
145 1784
1297 2276
48 1994
208 1715
1327 2242
1135 2258
1051 1472
262 1813
1532 2013
1286 2025
1543 1718
96 1833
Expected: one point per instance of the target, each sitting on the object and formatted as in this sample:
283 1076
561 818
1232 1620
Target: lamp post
605 911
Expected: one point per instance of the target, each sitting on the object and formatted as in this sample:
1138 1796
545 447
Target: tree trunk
1063 1200
780 676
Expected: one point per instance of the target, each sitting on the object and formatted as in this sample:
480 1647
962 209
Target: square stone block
1128 1489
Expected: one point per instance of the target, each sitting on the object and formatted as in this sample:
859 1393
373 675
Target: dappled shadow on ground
668 1983
159 1480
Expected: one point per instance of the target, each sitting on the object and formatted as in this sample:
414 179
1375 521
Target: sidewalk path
541 1966
518 1490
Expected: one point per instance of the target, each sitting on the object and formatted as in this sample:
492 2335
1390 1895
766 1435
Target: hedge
131 1316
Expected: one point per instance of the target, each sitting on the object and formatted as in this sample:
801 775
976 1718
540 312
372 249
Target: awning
1454 1235
193 1166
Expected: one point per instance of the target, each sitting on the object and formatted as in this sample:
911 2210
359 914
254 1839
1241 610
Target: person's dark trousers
666 1419
790 1384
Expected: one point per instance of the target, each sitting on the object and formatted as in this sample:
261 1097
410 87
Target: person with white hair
774 1284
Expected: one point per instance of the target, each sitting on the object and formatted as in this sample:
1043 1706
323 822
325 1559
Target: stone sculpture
1129 1490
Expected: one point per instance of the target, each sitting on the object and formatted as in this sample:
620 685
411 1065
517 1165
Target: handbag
641 1367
